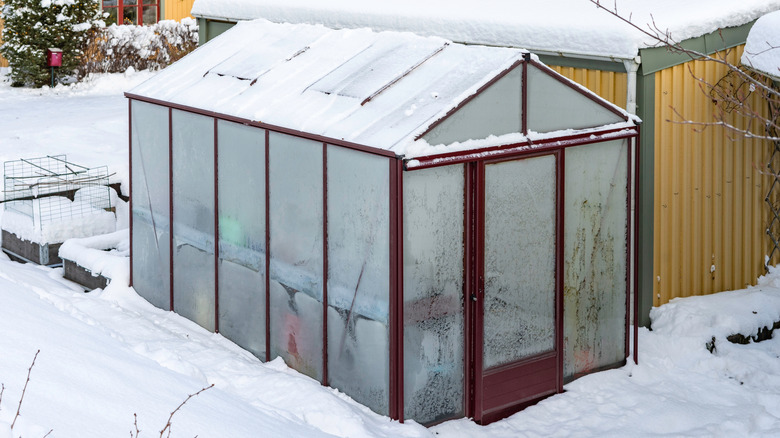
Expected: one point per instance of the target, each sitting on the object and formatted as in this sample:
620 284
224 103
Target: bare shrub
114 49
135 433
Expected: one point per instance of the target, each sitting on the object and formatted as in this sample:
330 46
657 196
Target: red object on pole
54 57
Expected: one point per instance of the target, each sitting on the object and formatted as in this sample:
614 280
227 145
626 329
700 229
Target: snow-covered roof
568 26
762 49
379 89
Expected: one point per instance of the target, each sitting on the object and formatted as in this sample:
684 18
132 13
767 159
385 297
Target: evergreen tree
32 26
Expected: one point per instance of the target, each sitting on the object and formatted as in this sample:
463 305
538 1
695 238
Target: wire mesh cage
51 189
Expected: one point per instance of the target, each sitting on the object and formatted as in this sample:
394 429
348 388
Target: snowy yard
109 355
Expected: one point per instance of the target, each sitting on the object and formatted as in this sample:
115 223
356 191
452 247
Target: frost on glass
359 276
296 221
519 300
552 105
151 227
433 293
241 185
495 111
595 225
193 217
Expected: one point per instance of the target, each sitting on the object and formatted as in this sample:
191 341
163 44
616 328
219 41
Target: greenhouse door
516 325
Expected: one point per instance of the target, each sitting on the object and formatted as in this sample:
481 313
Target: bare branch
135 425
663 38
18 408
170 417
719 122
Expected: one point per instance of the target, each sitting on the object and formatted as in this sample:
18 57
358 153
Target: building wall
709 214
609 85
176 9
3 61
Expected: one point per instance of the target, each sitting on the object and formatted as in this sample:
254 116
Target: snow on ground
107 355
88 122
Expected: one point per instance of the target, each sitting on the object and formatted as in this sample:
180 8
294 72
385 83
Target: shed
703 221
438 230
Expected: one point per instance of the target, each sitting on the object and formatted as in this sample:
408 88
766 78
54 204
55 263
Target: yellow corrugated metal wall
609 85
177 9
710 214
3 61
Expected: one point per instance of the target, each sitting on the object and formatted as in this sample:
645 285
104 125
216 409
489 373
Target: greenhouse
437 230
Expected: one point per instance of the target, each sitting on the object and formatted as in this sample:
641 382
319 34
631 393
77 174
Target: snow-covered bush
114 49
32 26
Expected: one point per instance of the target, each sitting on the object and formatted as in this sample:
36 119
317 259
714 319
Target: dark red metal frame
170 201
474 210
637 195
130 181
325 380
138 6
471 225
629 240
396 291
514 149
216 227
267 250
475 296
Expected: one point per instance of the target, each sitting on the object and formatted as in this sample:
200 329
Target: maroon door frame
545 369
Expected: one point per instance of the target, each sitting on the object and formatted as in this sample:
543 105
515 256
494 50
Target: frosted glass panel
595 257
433 294
193 217
151 227
496 111
553 105
359 276
519 315
241 184
296 215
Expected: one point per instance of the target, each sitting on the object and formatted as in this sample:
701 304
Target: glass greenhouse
437 230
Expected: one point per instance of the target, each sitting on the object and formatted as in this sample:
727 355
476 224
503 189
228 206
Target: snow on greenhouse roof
568 26
376 89
762 49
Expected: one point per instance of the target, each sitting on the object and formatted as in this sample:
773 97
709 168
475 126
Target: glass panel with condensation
519 303
151 226
359 276
495 111
241 186
595 227
553 105
193 217
296 232
433 248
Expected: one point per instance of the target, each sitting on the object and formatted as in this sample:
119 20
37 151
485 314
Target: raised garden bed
26 251
94 262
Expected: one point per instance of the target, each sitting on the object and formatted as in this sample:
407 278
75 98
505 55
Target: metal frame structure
474 162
